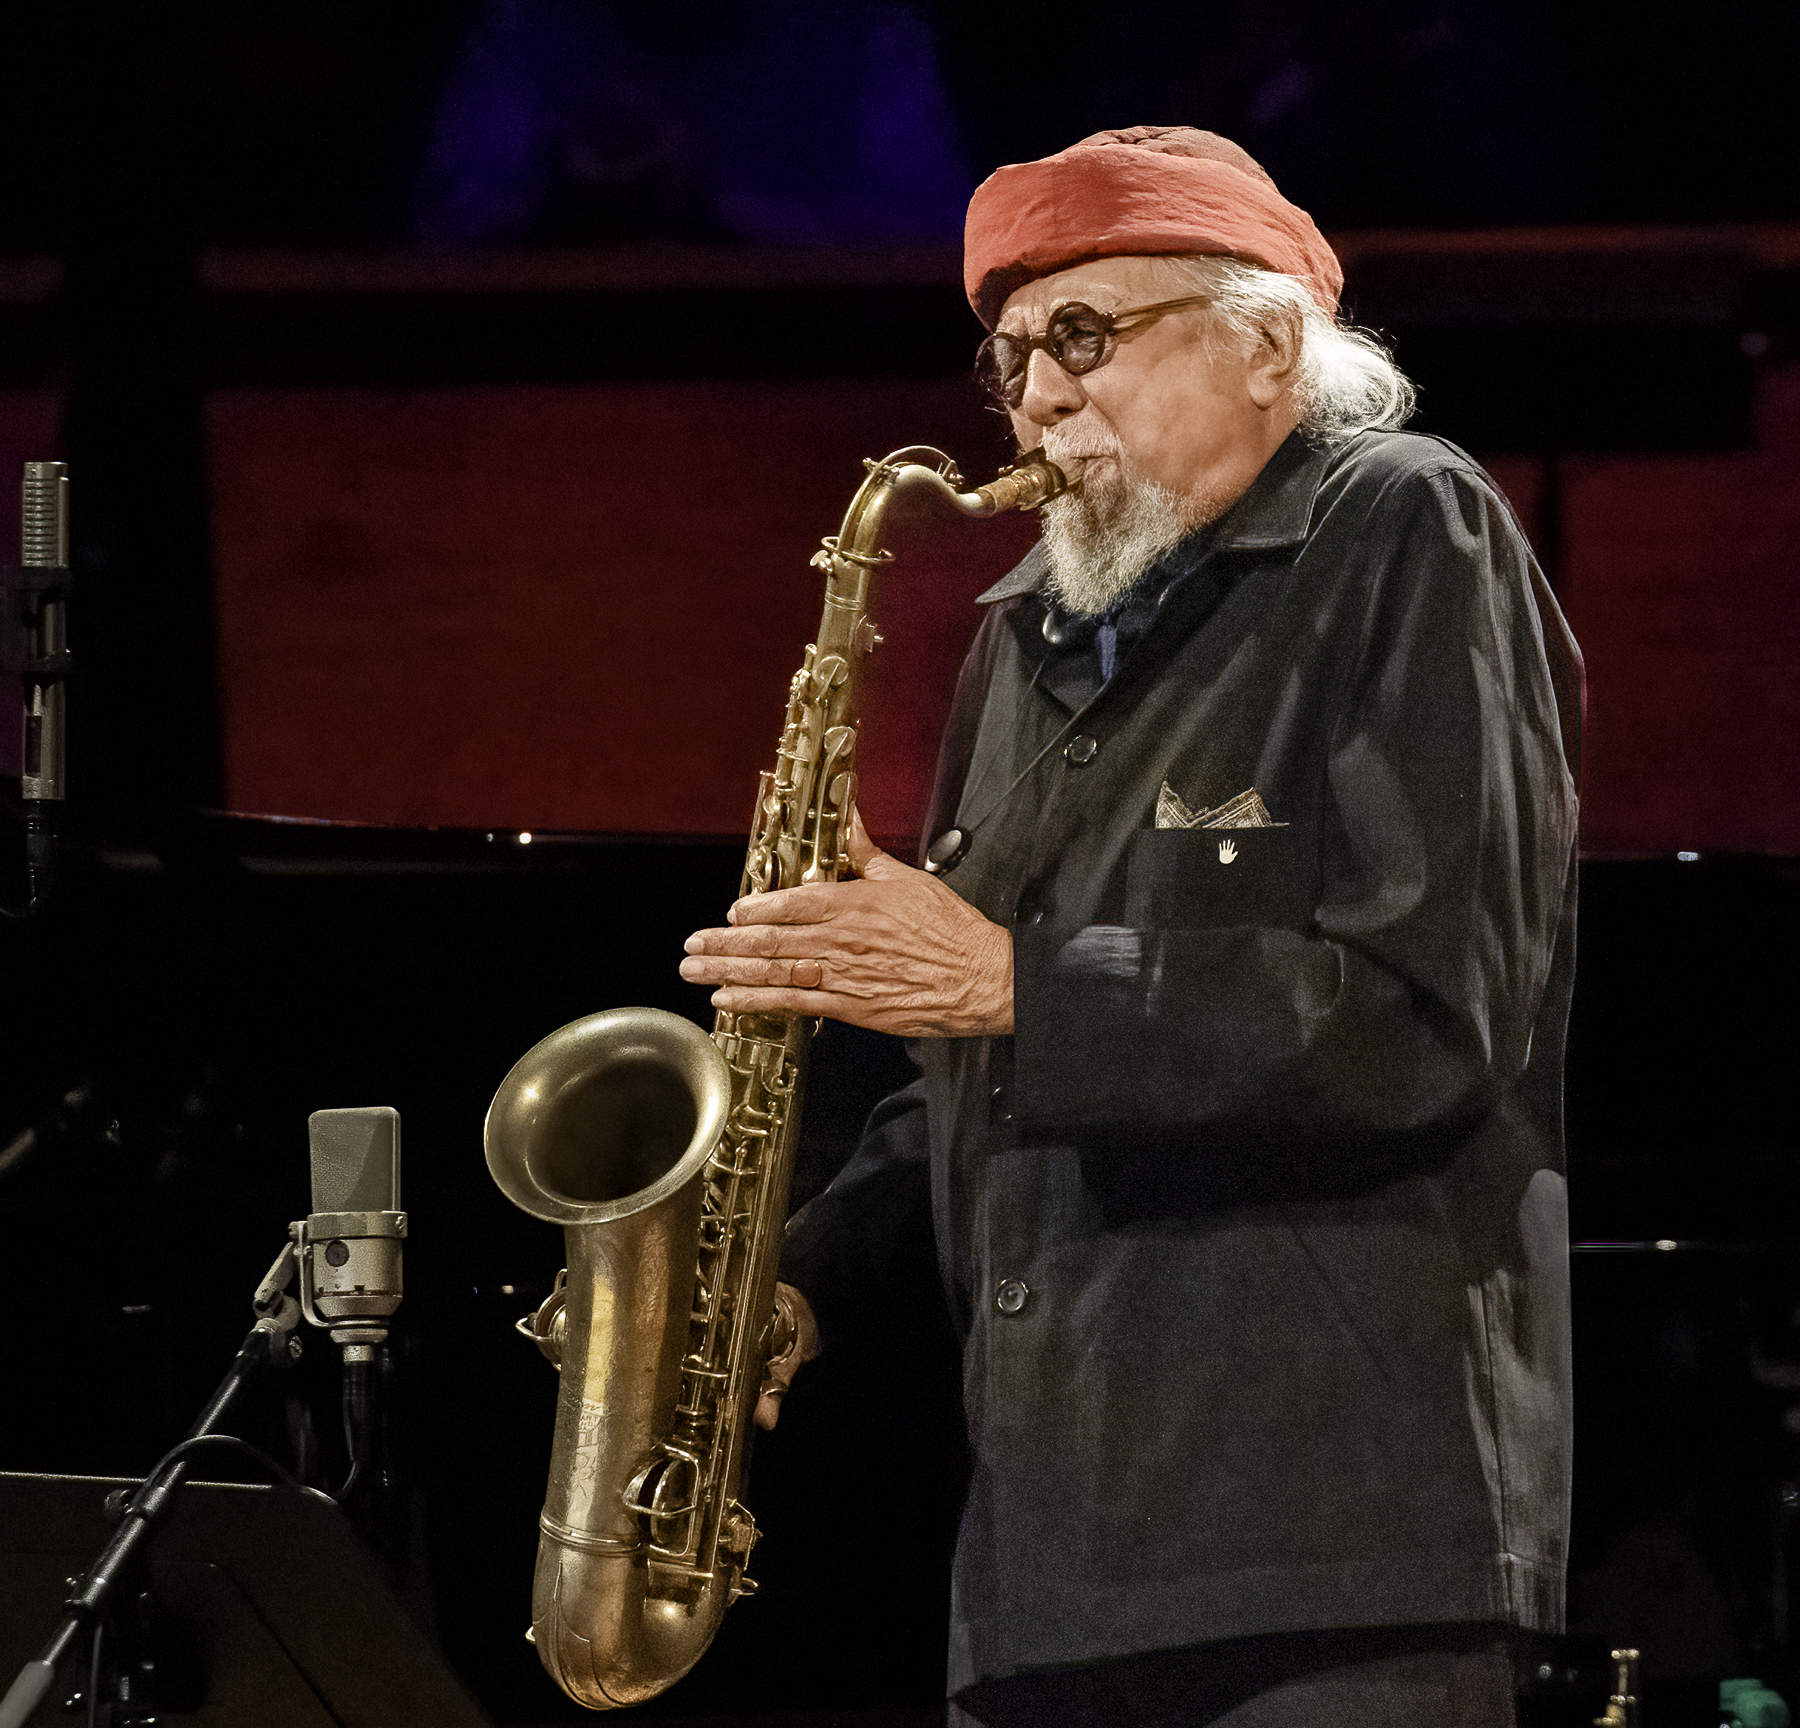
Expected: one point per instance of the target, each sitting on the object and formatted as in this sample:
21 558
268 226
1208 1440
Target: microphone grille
355 1159
45 541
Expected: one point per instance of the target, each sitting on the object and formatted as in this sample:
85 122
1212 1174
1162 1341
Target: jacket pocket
1211 878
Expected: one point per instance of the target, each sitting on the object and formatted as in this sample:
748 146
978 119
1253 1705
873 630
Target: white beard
1100 541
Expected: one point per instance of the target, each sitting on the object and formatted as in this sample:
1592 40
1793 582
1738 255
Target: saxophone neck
1028 485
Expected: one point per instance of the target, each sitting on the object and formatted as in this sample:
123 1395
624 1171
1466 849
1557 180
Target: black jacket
1255 1230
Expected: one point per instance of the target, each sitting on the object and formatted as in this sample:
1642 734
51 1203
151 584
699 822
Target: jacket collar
1025 577
1276 512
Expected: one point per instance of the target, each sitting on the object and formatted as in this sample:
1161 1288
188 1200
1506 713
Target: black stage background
205 1004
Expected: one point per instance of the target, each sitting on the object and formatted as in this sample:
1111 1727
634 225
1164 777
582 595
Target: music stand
273 1611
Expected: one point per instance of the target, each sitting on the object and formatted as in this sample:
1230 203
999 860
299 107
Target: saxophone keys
738 1534
547 1327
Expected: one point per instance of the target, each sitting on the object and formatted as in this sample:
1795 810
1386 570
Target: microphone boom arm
269 1343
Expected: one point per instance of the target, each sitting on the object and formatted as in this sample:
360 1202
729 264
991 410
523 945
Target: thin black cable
93 1685
40 860
1181 573
358 1423
193 1444
37 891
1032 766
154 1480
968 793
33 899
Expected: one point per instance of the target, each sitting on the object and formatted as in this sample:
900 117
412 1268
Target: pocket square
1246 810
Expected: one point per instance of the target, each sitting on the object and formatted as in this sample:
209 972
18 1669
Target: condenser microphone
43 592
349 1245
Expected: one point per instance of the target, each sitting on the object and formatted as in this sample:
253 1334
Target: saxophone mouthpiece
1029 485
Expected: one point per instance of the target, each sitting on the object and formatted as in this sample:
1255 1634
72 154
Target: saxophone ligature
666 1156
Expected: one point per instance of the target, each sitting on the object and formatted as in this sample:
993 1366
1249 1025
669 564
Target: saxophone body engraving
667 1155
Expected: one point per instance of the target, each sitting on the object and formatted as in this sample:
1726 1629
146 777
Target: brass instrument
666 1156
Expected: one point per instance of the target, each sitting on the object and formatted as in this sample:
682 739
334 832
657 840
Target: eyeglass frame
1109 341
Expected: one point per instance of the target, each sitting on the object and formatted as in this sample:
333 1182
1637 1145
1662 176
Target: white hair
1346 381
1099 541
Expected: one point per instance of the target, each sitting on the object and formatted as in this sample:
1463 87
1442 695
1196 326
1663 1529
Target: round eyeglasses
1079 339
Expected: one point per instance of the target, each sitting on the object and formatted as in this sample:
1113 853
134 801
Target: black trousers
1400 1677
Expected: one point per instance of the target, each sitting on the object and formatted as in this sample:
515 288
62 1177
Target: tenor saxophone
666 1156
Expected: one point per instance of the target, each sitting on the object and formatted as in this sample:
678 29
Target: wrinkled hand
778 1376
894 950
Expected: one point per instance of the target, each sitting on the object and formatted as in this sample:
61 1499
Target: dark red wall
569 607
1682 578
577 607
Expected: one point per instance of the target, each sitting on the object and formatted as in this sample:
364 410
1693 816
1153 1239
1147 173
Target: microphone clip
277 1313
24 592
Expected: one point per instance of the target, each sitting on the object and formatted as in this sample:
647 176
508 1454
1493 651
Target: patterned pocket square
1246 810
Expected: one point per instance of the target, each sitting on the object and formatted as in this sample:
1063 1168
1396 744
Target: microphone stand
271 1342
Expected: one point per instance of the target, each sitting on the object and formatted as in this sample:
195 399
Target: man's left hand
894 950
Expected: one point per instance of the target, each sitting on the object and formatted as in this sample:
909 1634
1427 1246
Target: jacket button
1081 749
1009 1298
947 851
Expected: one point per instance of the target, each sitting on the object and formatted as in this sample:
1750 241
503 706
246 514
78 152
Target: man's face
1171 408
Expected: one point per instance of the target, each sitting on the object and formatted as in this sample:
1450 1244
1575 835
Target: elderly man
1239 973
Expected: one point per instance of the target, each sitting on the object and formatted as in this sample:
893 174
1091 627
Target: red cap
1144 191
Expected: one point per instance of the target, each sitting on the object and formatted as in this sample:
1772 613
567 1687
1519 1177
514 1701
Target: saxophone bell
606 1127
